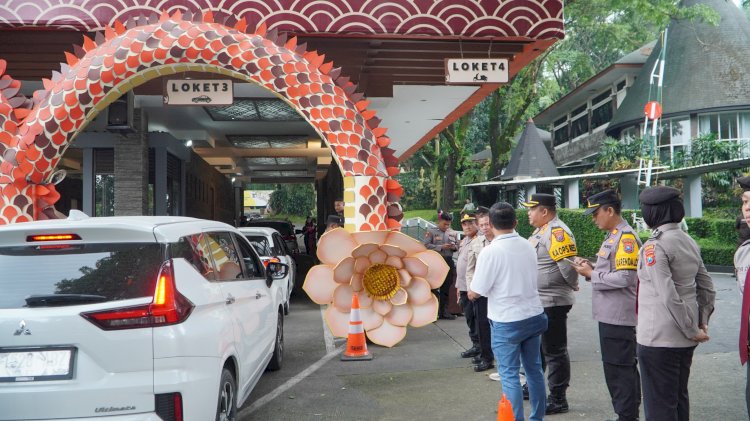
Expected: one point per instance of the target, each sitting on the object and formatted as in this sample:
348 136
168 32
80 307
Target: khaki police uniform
675 297
438 240
480 304
613 301
557 280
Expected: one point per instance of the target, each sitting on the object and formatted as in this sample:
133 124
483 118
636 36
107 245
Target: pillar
131 169
572 194
693 198
629 192
366 203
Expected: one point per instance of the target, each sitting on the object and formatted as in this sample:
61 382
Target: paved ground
423 378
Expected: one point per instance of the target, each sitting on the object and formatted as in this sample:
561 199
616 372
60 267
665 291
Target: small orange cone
356 345
505 410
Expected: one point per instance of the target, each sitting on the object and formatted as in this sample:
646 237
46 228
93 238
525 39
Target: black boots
556 405
471 352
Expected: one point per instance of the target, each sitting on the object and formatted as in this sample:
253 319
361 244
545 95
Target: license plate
36 364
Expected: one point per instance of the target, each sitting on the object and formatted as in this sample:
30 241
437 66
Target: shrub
724 231
716 252
699 227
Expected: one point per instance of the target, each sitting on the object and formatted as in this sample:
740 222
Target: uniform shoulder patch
561 245
649 254
626 257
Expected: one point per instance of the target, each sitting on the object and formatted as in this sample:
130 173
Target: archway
35 132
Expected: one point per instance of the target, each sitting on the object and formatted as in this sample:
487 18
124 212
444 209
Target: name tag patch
650 255
561 245
627 253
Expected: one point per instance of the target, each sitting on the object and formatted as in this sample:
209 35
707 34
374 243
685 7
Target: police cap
468 217
543 199
744 182
658 194
602 198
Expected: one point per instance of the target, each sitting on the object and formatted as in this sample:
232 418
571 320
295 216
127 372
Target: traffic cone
356 345
505 410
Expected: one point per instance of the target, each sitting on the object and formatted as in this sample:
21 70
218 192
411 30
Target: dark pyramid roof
706 68
530 158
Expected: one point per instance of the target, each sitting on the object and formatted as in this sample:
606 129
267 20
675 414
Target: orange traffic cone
505 410
356 346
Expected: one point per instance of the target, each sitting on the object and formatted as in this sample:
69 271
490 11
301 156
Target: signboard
257 198
198 92
652 110
472 71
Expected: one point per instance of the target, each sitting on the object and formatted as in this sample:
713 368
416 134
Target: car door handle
258 295
230 299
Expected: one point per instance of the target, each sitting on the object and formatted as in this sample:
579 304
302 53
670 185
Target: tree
454 136
293 199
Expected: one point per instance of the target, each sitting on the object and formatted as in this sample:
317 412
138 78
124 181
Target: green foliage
723 230
293 199
728 212
708 149
699 227
715 252
426 214
417 190
616 155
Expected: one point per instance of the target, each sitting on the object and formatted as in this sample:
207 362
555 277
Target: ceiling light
234 179
188 143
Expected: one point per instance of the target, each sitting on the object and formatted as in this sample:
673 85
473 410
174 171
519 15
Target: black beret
602 198
335 219
543 199
658 194
744 182
483 210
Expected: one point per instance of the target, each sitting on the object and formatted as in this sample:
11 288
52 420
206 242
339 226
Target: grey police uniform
480 304
435 239
613 301
675 297
556 282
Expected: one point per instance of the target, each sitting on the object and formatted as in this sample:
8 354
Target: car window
278 245
249 258
260 244
225 257
115 271
194 249
285 228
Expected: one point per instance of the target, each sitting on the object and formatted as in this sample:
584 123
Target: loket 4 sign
472 71
198 92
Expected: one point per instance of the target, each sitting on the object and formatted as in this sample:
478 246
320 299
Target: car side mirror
298 231
276 270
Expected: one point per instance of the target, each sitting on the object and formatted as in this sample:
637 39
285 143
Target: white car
133 318
269 244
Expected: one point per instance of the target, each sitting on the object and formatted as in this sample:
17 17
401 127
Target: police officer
444 240
613 283
556 282
741 269
469 226
675 300
484 359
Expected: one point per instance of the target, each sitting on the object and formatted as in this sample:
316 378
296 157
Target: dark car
285 228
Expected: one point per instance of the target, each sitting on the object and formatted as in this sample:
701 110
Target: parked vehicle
268 243
285 228
134 318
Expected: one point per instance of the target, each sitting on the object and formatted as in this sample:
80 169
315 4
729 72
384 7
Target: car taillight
168 307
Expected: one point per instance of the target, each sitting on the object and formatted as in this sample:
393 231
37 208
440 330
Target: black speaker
120 113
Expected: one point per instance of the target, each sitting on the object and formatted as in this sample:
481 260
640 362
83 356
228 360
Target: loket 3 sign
472 71
198 92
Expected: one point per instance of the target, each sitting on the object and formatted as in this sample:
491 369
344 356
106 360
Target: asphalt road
423 377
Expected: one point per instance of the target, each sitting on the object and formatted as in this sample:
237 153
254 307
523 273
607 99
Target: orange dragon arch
35 132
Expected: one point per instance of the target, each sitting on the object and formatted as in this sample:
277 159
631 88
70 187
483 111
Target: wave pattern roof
538 19
706 68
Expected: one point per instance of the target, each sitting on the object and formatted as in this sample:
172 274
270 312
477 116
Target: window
561 135
604 96
194 249
726 126
620 86
104 182
260 244
674 137
112 271
225 257
278 245
249 258
602 114
579 126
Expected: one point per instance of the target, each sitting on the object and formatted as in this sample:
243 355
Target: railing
416 227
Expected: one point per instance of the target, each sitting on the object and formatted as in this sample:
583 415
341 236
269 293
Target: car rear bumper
196 378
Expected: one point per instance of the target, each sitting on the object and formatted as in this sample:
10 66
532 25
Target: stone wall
208 193
131 169
577 150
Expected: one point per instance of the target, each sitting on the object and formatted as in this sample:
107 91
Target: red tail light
168 307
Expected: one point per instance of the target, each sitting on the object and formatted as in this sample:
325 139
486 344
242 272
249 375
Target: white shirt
506 274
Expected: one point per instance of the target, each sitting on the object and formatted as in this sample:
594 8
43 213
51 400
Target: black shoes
476 360
471 352
483 366
556 405
525 391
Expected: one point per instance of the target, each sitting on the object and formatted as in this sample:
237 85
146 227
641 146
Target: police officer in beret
444 240
741 269
613 283
675 301
557 280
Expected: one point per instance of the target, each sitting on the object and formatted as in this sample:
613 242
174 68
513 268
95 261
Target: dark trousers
621 369
664 377
483 329
468 308
555 350
443 293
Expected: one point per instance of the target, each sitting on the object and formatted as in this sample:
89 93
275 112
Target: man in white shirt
505 274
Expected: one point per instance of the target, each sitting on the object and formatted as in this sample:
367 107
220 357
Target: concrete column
693 198
131 169
572 194
530 189
629 192
88 182
160 181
